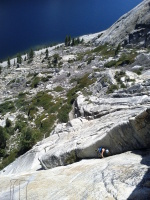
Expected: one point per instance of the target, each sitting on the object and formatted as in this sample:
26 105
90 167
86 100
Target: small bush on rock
112 88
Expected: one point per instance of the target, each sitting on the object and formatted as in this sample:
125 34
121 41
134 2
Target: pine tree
55 59
66 41
19 58
117 49
30 55
46 52
69 40
78 40
8 62
73 42
0 69
82 40
3 138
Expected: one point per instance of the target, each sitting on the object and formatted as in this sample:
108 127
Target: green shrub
139 71
45 123
45 79
8 123
12 81
80 56
9 159
105 50
32 111
42 99
55 59
89 60
27 140
71 95
123 85
21 101
117 49
112 88
58 89
9 131
119 75
100 48
35 82
3 138
2 152
125 59
110 64
63 113
7 106
20 125
81 84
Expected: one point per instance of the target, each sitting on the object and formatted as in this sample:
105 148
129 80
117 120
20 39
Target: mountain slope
120 31
67 101
112 178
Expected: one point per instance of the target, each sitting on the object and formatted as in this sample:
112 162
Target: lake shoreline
27 24
86 39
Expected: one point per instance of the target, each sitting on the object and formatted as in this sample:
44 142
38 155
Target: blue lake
26 23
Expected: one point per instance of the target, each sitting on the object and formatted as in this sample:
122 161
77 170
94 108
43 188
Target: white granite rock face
122 126
119 177
119 134
120 30
119 121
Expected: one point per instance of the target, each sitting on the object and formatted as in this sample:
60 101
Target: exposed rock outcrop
119 177
110 91
121 127
131 28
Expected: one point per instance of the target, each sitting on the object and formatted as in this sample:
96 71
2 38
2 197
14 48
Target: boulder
136 67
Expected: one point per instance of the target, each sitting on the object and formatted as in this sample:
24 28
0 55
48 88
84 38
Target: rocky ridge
107 89
134 29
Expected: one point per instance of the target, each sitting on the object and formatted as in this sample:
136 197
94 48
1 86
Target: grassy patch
81 83
42 99
105 50
125 59
58 89
110 64
80 56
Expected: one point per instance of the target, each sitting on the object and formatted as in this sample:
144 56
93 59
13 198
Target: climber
101 152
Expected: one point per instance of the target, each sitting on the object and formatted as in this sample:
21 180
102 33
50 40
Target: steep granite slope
131 28
57 108
121 177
